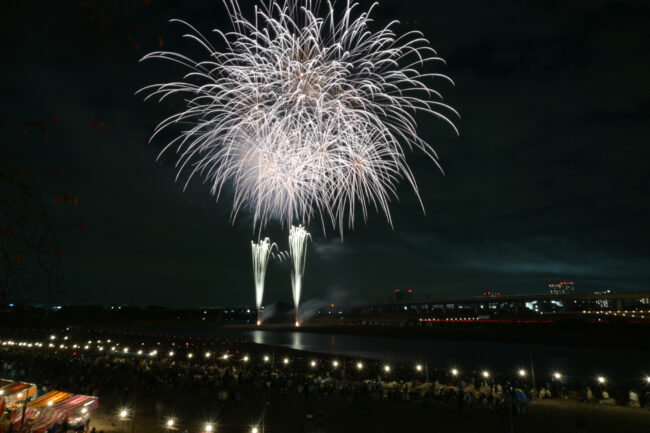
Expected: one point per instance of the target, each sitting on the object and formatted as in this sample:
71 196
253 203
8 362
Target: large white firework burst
304 110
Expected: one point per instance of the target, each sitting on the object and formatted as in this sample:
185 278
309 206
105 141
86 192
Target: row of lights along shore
124 414
622 313
522 373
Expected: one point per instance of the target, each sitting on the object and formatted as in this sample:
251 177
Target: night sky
548 181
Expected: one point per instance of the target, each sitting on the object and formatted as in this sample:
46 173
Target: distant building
403 295
563 288
603 303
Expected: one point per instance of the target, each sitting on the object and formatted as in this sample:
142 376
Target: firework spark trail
306 111
261 252
298 238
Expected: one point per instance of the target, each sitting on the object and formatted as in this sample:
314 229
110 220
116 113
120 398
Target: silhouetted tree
30 228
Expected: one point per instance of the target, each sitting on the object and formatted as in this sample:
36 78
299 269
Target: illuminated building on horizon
603 303
403 295
563 288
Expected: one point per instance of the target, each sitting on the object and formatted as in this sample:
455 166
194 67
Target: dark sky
548 180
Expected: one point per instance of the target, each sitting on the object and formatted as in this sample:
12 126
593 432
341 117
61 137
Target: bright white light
208 427
123 413
454 372
190 355
261 251
20 395
313 363
298 238
266 358
286 360
170 423
126 350
254 430
171 353
225 356
647 379
486 373
359 365
50 403
418 367
308 112
557 375
522 373
139 352
207 354
601 379
386 368
335 364
246 358
84 410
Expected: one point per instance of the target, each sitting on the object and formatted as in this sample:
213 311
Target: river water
577 363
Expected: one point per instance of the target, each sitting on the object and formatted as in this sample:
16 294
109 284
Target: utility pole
135 402
532 367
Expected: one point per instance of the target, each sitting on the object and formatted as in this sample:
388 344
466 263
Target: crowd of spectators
248 369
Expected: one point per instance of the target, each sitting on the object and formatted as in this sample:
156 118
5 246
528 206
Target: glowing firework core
298 238
261 251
